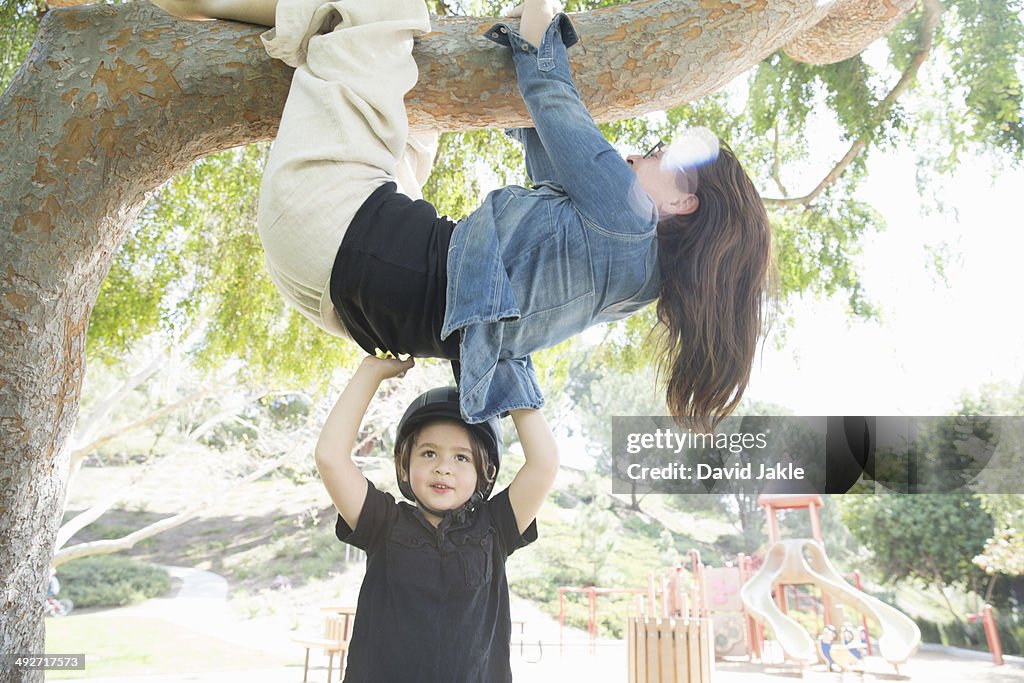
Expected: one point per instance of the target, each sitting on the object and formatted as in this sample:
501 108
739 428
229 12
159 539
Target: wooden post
561 620
632 622
668 649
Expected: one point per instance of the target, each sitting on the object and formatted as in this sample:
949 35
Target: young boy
434 602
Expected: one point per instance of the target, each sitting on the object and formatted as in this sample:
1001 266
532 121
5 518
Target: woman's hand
536 16
517 11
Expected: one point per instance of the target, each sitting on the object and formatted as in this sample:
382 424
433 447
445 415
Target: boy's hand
386 367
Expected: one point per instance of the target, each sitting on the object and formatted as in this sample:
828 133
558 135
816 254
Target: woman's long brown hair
715 267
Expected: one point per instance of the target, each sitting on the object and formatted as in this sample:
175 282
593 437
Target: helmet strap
426 508
459 512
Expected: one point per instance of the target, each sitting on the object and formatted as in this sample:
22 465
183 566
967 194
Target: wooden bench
337 636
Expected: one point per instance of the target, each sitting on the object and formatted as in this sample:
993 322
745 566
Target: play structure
684 619
789 562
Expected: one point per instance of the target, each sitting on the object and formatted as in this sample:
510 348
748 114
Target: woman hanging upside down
351 245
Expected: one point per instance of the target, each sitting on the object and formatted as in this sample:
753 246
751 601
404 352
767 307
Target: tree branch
933 11
151 417
113 545
776 162
990 588
941 585
847 30
99 414
88 516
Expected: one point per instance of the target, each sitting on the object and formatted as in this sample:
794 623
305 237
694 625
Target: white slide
800 561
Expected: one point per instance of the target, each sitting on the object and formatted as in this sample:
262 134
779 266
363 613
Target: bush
111 581
953 633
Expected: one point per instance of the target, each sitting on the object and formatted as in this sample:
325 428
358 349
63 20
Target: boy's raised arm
530 487
343 480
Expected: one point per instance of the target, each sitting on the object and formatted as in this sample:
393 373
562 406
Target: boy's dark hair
481 462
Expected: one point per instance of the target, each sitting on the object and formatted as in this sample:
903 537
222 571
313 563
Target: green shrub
1010 636
953 633
111 581
929 631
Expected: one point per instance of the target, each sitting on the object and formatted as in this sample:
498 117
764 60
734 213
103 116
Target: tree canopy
194 251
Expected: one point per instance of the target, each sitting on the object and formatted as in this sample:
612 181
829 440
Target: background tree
1004 551
929 538
1003 554
243 434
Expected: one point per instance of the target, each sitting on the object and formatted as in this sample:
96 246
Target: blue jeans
532 267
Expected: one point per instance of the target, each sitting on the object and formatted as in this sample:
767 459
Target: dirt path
201 605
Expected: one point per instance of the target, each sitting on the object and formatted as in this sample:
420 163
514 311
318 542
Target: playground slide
757 598
797 561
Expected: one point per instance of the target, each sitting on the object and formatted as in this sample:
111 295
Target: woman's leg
413 168
250 11
343 132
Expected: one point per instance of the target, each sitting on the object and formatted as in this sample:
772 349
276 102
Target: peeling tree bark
113 100
848 29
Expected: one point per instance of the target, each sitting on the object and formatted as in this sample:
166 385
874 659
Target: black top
390 276
433 607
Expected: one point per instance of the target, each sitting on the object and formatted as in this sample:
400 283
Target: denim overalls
531 268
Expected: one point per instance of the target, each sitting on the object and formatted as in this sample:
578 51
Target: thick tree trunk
115 99
103 112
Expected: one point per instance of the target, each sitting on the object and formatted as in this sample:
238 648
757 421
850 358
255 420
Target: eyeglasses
686 179
654 150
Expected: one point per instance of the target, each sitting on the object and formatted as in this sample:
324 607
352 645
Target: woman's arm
343 480
527 491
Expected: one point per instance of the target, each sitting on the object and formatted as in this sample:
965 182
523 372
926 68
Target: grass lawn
129 645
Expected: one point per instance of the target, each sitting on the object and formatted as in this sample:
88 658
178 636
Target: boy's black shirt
434 603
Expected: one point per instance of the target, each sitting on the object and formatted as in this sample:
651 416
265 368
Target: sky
936 340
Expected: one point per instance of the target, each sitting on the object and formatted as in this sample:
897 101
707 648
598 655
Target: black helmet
442 403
